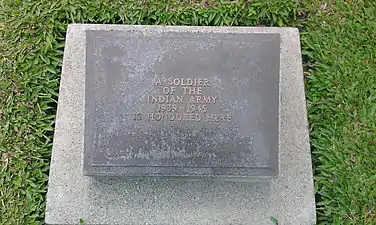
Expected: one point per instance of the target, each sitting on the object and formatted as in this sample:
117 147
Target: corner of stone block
48 220
73 26
292 33
295 31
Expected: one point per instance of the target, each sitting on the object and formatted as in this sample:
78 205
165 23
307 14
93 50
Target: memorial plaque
181 104
181 101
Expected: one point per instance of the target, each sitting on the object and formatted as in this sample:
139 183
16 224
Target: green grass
339 47
339 44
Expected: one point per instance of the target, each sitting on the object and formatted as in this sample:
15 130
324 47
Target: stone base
99 200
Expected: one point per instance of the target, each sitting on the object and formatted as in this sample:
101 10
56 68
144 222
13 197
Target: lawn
339 50
339 43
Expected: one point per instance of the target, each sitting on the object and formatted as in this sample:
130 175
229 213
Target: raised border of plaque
181 104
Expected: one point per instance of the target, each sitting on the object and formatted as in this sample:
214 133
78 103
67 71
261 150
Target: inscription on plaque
190 105
181 103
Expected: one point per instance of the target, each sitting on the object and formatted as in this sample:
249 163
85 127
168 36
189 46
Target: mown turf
32 36
339 44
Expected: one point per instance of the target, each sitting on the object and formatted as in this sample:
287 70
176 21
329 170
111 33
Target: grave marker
139 104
